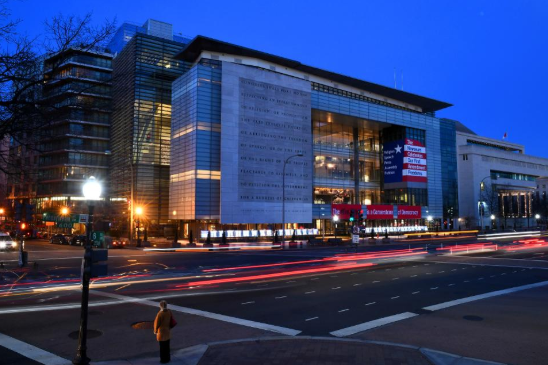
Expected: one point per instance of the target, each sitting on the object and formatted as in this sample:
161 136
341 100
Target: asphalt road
312 292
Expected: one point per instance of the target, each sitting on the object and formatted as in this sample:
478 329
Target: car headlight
14 243
2 245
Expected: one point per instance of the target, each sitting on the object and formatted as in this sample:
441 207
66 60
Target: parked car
78 240
6 242
59 238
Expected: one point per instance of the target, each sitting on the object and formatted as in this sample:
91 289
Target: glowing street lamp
138 213
64 211
92 191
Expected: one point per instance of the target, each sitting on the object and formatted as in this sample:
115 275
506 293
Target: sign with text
380 212
393 161
409 212
266 130
414 161
344 210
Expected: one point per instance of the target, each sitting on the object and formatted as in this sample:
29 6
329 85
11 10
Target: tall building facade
141 123
74 144
242 117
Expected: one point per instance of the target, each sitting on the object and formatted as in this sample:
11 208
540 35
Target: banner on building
393 161
380 211
343 210
409 212
414 162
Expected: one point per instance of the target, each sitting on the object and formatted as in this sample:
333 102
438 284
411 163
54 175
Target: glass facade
196 132
449 172
141 126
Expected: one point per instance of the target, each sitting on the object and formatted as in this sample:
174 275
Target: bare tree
23 112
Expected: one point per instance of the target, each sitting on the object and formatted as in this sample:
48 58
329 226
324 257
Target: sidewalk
306 350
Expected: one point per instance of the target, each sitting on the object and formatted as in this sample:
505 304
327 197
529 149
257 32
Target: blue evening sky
487 58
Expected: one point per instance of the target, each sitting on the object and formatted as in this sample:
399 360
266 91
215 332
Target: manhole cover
91 334
147 325
95 313
473 318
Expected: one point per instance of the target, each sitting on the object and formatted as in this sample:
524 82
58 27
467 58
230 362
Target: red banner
343 210
409 212
380 212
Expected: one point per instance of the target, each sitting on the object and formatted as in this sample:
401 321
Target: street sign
356 230
355 239
72 218
98 238
64 225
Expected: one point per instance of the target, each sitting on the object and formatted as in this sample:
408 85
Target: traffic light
360 215
95 263
23 226
352 215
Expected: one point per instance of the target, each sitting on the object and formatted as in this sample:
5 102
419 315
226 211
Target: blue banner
393 161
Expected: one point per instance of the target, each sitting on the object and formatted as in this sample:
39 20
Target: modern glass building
143 70
259 140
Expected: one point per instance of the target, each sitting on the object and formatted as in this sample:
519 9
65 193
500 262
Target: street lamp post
493 221
480 205
537 217
335 219
283 195
92 191
2 216
138 212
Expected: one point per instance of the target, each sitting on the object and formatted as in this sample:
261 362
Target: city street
240 294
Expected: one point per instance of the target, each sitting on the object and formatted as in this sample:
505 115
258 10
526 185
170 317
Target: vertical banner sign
414 162
393 161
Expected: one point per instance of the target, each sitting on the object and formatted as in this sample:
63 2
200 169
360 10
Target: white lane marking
503 273
371 303
480 278
387 269
492 265
434 288
428 273
454 270
484 296
315 279
492 276
450 284
441 272
311 319
285 296
310 292
333 276
415 292
372 324
376 281
201 313
513 272
343 310
466 281
248 303
396 279
354 273
396 297
31 352
413 276
358 284
290 281
415 266
336 288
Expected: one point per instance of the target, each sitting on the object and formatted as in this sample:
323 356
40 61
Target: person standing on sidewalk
163 324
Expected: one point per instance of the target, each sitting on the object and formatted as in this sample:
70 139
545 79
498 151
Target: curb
192 355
